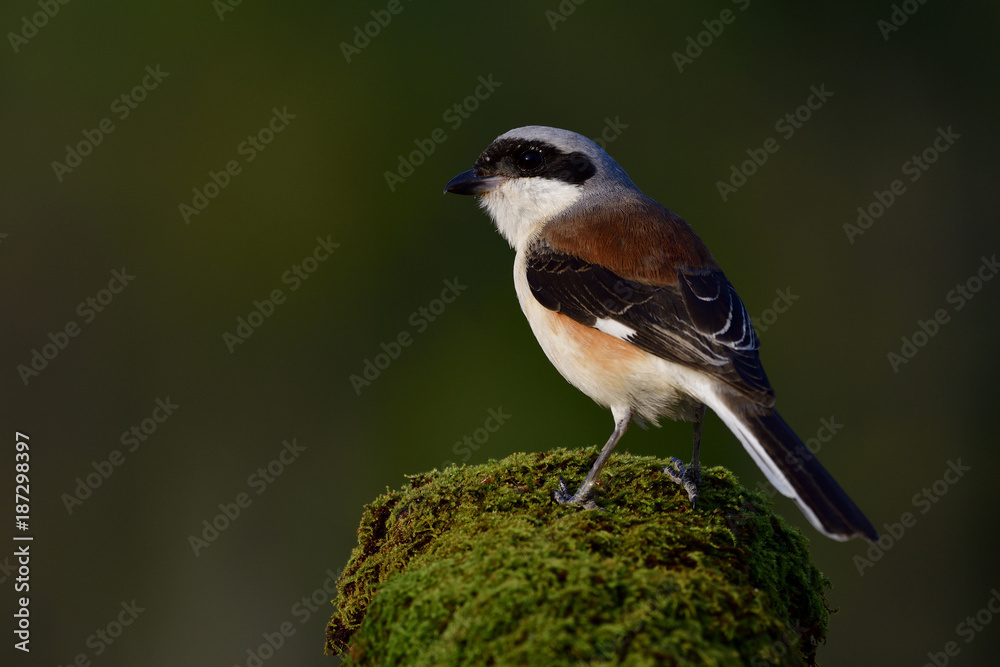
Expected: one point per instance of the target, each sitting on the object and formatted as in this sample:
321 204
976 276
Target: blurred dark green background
323 175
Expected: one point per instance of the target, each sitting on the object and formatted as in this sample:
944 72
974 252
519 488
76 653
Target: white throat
521 206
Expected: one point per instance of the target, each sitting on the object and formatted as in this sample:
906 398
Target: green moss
480 566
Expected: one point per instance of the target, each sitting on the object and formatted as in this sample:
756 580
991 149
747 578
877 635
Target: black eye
529 160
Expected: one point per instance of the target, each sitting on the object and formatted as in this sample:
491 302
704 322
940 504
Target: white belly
614 373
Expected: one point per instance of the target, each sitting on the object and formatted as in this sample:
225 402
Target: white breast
521 206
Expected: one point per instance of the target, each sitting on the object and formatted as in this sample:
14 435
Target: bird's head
531 174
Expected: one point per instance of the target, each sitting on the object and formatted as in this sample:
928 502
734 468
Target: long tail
792 468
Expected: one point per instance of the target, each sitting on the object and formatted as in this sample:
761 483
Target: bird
633 310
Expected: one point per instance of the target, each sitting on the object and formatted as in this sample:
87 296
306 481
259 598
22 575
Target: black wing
700 322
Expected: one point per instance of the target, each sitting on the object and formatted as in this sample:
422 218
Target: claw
687 476
675 470
563 497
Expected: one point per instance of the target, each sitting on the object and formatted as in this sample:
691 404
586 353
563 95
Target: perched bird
632 309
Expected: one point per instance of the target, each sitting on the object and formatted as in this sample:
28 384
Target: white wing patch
614 328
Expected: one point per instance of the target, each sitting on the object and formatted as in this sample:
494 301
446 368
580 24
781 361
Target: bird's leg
582 495
689 477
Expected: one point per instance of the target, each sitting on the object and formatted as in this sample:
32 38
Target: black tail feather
794 470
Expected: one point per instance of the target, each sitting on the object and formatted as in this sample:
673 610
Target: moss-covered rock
480 566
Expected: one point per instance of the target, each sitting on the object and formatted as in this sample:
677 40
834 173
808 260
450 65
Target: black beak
472 183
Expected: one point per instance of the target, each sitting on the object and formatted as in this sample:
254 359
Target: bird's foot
687 476
581 497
